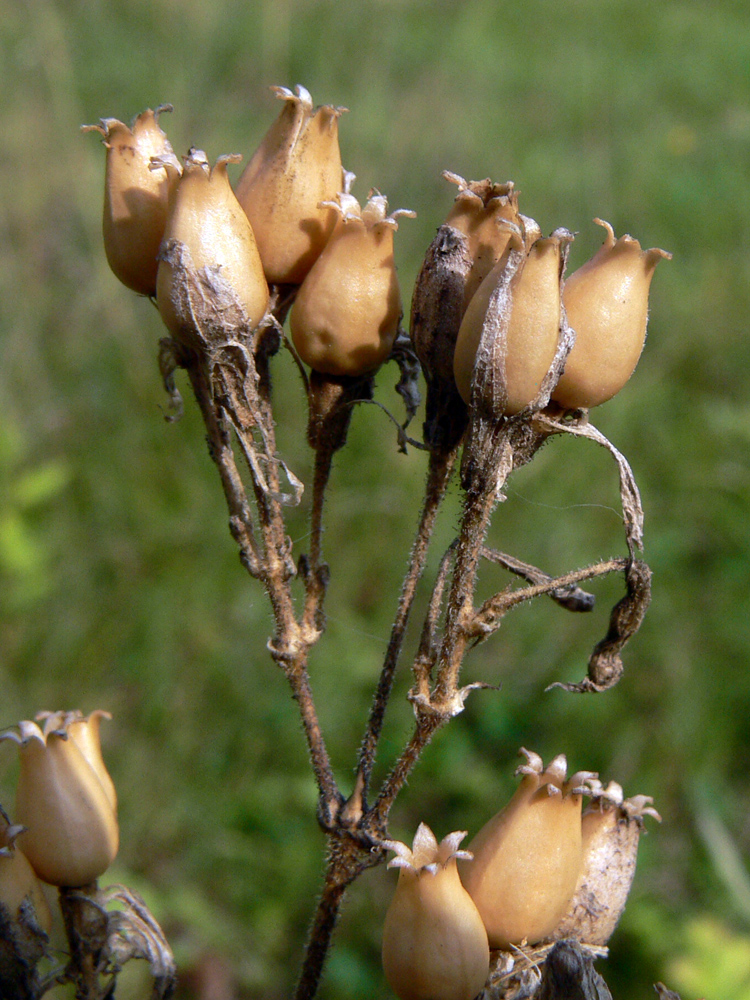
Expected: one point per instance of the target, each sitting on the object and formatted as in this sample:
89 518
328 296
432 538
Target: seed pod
71 832
346 314
20 892
611 828
84 731
465 249
296 167
527 858
479 211
510 331
210 272
607 305
434 943
135 197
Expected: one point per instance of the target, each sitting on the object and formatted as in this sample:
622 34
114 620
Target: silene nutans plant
513 353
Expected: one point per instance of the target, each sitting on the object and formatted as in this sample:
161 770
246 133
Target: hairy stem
438 476
346 861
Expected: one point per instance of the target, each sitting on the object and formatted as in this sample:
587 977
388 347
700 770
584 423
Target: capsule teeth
557 769
449 847
579 783
534 763
639 806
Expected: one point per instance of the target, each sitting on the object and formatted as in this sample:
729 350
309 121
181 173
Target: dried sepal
607 305
434 942
611 827
210 286
527 858
285 187
71 834
136 198
345 318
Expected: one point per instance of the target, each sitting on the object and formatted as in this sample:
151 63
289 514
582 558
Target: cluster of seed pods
539 870
491 286
491 306
66 830
292 221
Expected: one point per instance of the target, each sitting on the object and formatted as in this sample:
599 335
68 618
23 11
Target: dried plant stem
346 860
86 929
439 472
290 644
317 575
477 512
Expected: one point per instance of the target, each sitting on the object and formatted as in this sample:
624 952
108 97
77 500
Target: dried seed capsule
479 211
611 828
135 197
71 834
434 942
466 247
527 858
20 891
607 305
512 326
209 260
346 314
296 167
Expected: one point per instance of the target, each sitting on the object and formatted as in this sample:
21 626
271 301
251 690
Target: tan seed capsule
209 244
71 834
296 167
527 858
478 212
607 305
611 828
135 196
346 314
514 318
434 942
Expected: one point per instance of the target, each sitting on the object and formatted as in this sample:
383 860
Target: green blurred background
120 586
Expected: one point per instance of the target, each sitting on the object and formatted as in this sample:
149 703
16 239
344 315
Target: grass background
120 586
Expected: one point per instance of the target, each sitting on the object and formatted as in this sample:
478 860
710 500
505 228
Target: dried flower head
21 894
135 196
71 834
434 942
